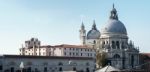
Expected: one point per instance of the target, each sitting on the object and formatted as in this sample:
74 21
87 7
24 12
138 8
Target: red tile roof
71 46
66 46
146 54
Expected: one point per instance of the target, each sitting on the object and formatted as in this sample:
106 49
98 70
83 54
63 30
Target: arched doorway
45 69
12 69
132 61
74 68
87 70
29 69
60 69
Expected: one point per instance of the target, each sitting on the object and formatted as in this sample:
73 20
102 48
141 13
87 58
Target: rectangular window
81 49
81 54
91 54
70 48
70 53
49 53
77 54
65 53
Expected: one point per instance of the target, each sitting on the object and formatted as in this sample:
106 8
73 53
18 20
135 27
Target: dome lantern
114 13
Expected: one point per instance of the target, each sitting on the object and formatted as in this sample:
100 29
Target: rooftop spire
113 5
94 25
114 14
82 25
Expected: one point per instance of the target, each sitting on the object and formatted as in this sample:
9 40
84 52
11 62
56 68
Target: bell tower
82 34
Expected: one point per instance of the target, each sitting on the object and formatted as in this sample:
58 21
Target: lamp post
21 66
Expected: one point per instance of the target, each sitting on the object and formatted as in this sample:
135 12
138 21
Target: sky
56 22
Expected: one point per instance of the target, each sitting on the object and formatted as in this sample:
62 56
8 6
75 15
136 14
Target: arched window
94 42
104 42
87 64
29 63
117 44
122 45
75 64
113 44
45 63
12 63
60 63
107 42
116 56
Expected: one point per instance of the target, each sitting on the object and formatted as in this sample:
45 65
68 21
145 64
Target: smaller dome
93 33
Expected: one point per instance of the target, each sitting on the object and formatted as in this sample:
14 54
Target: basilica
114 41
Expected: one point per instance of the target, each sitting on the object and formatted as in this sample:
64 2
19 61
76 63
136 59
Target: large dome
114 26
93 33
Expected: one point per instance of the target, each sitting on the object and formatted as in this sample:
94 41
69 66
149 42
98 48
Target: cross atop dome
114 14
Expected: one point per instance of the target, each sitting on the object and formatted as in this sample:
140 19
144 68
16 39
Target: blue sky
58 21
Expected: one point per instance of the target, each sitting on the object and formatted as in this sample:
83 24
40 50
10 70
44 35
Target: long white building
13 63
32 47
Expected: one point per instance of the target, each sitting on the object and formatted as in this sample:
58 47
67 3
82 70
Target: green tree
101 60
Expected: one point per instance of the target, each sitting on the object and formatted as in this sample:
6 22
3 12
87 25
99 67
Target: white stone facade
11 63
113 40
